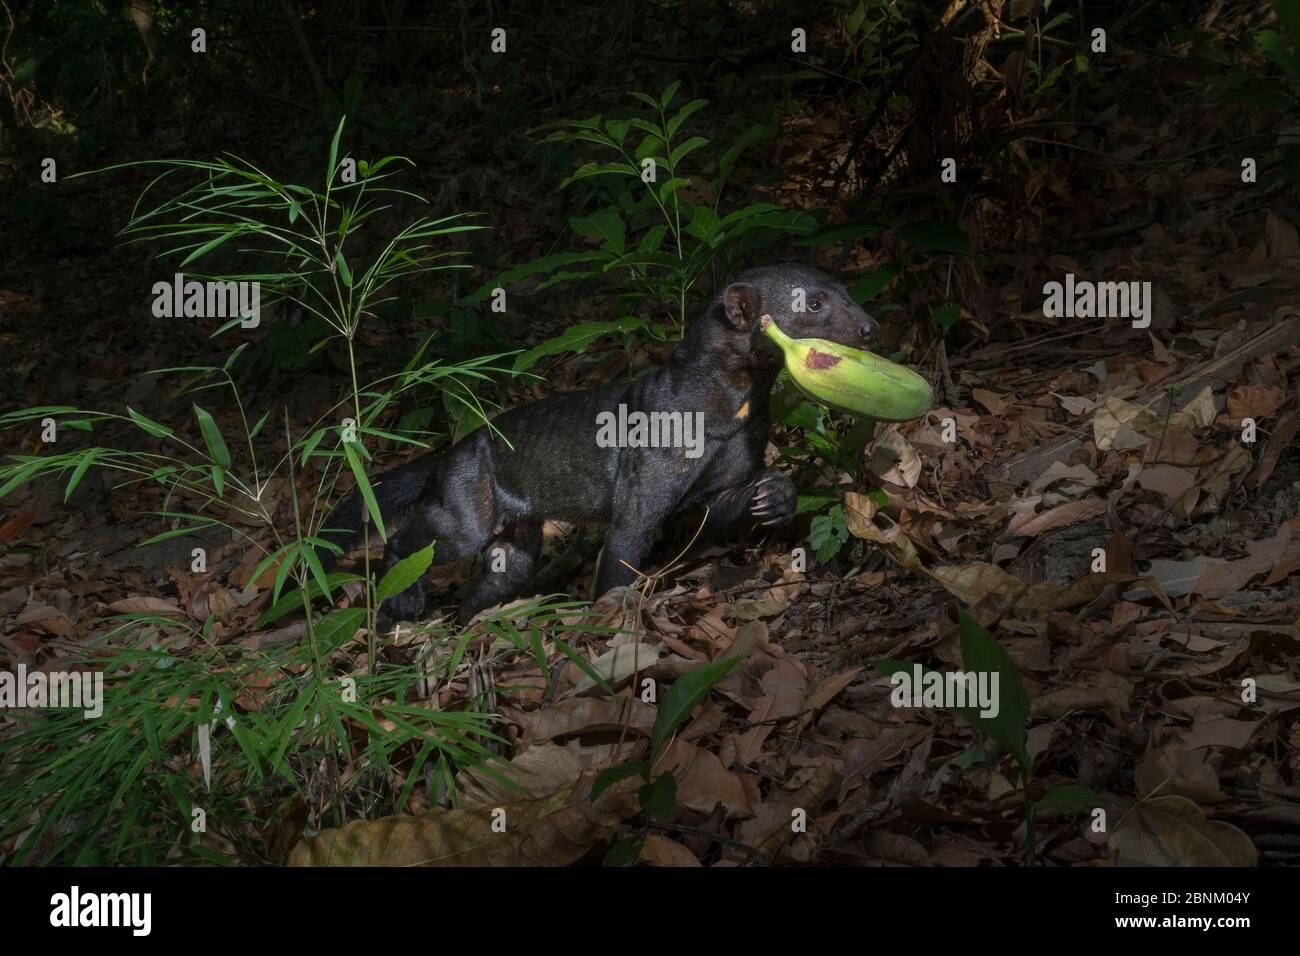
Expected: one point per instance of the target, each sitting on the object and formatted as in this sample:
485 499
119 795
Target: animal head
805 303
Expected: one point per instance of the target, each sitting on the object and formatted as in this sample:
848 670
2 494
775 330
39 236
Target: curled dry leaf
894 460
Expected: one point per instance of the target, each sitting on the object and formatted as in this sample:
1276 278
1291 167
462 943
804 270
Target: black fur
482 494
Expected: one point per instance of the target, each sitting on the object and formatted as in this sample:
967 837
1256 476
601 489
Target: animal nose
868 329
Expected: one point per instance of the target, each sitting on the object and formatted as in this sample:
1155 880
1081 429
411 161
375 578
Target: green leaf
843 230
827 533
683 115
682 697
334 147
1277 49
685 149
946 315
617 130
936 236
587 170
212 438
981 653
576 338
1069 798
148 424
623 852
344 272
729 159
294 599
705 224
87 459
338 626
658 798
210 245
404 573
1288 15
669 93
806 503
613 775
363 485
605 224
310 556
867 287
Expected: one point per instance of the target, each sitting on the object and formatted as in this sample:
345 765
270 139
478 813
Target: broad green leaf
683 115
685 149
1069 798
867 287
605 224
404 573
658 798
981 653
686 692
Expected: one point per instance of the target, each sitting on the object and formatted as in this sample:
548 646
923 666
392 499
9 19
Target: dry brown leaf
1069 513
587 715
552 831
703 782
1214 730
1226 578
1075 478
971 583
146 605
1103 691
1254 401
660 851
619 663
1174 770
894 460
1173 831
1168 480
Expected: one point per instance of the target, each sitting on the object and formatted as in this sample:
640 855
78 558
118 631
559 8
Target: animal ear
740 304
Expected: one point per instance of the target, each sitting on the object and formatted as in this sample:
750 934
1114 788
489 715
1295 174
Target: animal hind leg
458 524
504 567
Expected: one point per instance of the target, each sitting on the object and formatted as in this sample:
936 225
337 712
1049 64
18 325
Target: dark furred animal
481 494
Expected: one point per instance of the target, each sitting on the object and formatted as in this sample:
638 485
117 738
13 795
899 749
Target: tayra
568 459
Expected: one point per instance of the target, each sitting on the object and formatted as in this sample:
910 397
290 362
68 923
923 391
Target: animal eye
814 305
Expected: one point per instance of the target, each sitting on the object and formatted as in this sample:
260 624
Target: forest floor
1120 506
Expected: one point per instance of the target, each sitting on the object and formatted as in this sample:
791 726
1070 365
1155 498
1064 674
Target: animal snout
868 329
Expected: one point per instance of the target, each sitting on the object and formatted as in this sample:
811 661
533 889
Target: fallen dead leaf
1173 831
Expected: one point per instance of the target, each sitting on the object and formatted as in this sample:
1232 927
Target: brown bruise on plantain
820 360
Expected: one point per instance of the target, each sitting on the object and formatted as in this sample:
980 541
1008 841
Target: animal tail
394 490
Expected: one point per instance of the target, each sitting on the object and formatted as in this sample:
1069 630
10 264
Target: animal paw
774 499
407 606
